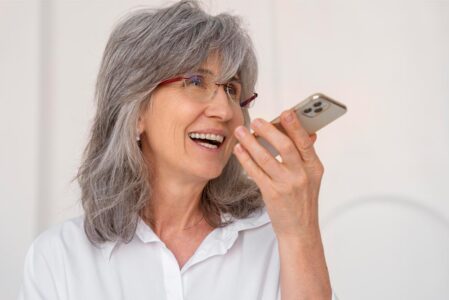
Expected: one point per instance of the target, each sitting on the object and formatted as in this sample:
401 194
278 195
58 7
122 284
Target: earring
138 140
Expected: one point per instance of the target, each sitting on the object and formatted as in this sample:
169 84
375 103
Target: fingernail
289 116
257 123
239 131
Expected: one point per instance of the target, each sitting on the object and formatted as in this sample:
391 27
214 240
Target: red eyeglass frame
179 78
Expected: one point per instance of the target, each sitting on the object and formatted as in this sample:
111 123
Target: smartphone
315 112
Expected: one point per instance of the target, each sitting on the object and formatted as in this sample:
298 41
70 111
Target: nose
220 105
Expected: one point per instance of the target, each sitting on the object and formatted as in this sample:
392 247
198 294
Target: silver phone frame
335 110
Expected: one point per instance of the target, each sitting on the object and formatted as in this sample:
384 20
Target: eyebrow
207 71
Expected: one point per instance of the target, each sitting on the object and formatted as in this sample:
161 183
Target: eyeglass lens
205 87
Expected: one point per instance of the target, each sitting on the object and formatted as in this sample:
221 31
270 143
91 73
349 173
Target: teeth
209 136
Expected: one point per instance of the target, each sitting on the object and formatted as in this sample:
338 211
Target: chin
209 173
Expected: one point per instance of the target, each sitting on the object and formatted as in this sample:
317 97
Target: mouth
208 140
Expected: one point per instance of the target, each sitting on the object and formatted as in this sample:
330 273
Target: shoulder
257 219
61 237
47 258
67 230
257 226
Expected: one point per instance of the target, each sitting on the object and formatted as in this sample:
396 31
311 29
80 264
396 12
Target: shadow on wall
392 246
387 200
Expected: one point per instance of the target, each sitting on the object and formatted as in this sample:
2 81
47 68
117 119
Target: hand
289 188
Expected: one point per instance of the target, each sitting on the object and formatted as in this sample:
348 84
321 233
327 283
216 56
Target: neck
175 204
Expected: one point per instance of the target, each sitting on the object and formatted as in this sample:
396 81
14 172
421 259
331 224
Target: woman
169 213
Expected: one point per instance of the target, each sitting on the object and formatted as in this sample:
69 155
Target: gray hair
146 47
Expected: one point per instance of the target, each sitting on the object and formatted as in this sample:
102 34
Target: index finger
279 140
303 141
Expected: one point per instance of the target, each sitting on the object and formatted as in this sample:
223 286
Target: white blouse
239 261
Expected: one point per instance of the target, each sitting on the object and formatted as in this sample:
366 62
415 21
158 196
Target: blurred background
384 198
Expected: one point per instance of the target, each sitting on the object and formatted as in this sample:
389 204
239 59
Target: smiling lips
208 140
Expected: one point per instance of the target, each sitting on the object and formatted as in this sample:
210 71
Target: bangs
224 37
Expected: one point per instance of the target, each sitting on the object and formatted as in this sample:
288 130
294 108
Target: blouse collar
224 236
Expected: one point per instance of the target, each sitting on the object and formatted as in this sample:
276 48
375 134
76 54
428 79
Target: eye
232 89
195 80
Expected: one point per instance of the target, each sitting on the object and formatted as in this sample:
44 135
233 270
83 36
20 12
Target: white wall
384 207
19 133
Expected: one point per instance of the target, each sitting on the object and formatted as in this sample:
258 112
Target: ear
141 120
140 125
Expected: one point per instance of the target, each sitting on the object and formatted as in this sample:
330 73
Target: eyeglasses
204 88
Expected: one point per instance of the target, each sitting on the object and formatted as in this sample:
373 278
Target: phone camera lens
307 110
318 110
317 104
